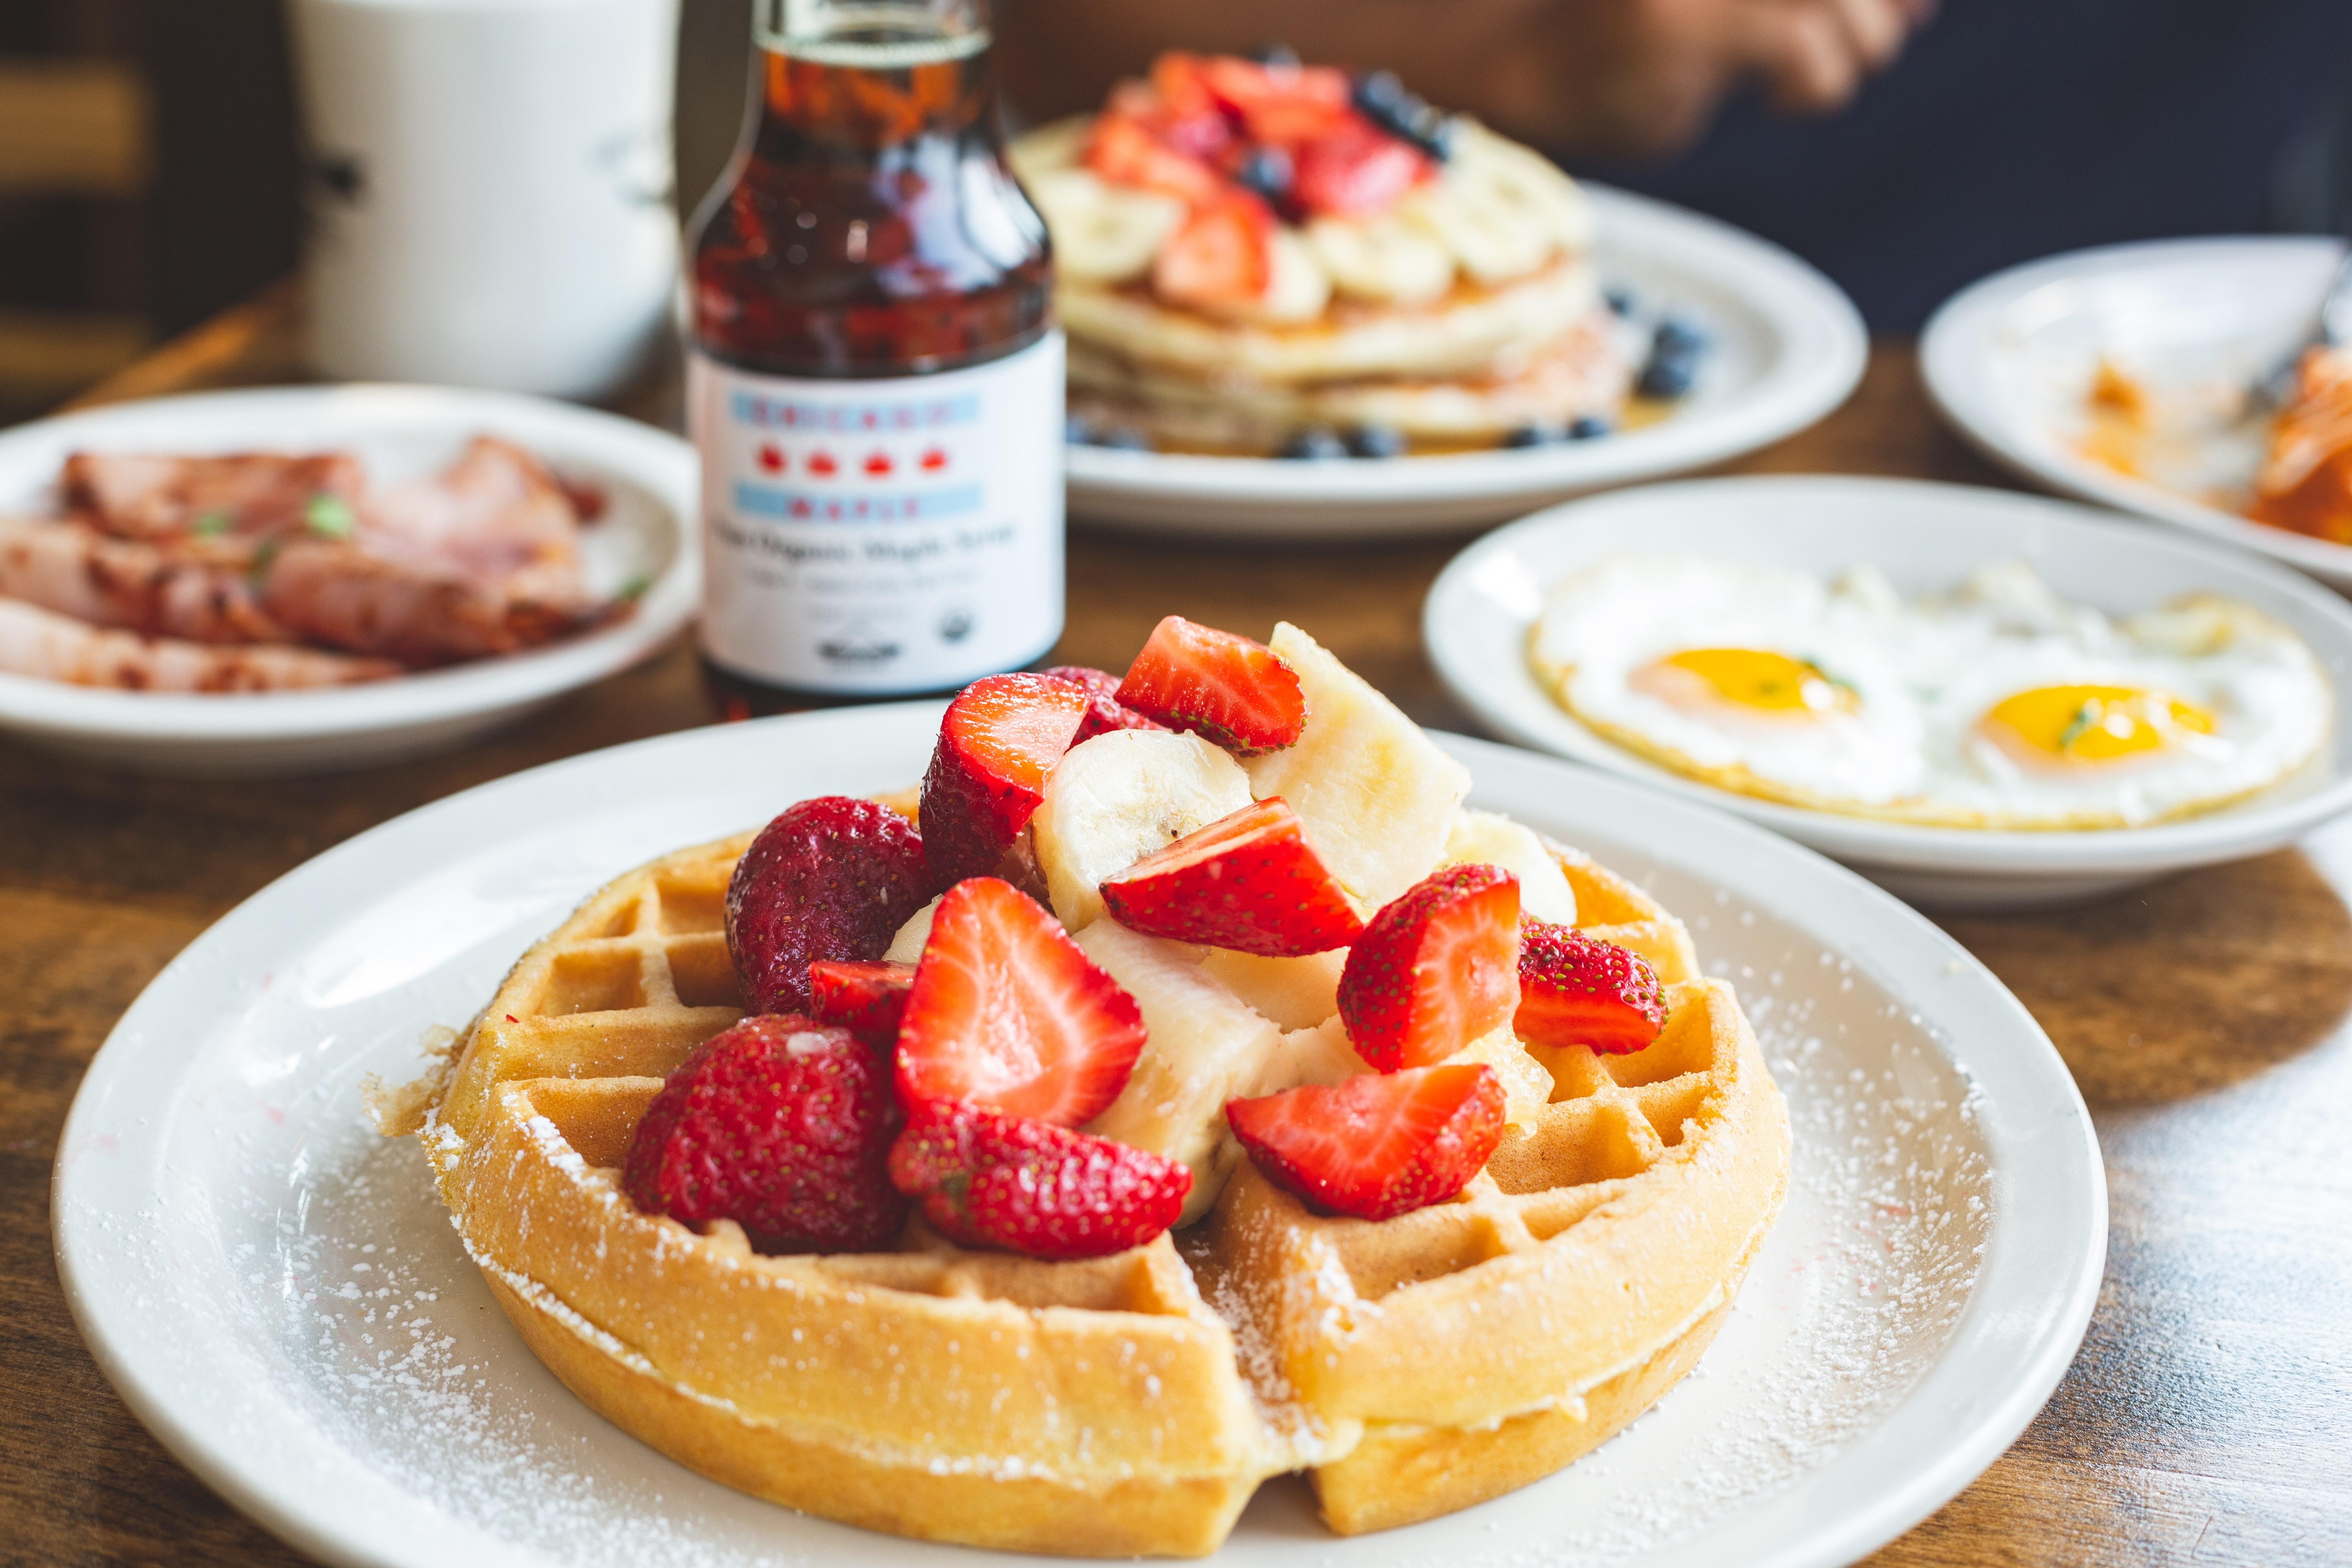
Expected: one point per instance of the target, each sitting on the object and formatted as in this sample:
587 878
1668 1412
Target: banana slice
1203 1046
1502 210
1296 286
1057 144
1377 794
1112 800
1384 260
1485 838
907 945
1102 233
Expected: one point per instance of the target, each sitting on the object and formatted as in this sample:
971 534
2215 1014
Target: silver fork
2331 328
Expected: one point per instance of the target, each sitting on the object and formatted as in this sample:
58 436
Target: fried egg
1996 705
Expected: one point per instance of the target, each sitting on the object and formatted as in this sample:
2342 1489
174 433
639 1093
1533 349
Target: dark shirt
2017 129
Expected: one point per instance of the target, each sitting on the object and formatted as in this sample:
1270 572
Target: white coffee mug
491 188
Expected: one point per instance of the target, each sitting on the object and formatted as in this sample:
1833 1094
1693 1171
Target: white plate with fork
278 1295
646 541
2009 362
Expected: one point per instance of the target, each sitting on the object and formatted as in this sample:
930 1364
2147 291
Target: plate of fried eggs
1976 698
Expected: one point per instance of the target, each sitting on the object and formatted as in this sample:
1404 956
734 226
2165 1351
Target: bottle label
892 535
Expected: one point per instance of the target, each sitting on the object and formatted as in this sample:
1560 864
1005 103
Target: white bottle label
900 534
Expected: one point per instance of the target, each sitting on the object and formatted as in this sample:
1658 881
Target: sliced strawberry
1183 111
1222 255
1249 882
830 877
1001 736
1284 105
1435 970
1107 713
782 1125
1576 991
1378 1144
1356 171
985 1178
1007 1010
1222 687
867 999
1123 150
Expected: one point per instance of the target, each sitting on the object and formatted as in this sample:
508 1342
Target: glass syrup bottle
874 377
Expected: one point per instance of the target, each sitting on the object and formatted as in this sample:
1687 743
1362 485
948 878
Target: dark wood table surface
2207 1420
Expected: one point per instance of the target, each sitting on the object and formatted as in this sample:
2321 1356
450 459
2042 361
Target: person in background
1906 152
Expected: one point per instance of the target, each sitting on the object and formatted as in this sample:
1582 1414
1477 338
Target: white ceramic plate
1786 347
646 533
279 1296
2008 360
1926 537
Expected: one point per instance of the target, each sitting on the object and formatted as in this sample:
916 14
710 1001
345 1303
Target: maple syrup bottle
874 378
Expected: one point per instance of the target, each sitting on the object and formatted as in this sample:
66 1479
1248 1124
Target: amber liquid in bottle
875 382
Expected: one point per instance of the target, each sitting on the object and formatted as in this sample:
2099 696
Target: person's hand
1647 76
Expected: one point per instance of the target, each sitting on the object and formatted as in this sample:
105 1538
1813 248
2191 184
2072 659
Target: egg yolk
2097 723
1752 677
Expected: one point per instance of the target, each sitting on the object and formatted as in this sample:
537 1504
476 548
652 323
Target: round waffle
1105 1407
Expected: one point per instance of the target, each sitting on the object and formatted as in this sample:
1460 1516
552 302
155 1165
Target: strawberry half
988 1179
1122 149
832 877
1001 736
1356 171
1250 881
1107 712
1284 105
1007 1010
1222 687
1378 1144
782 1125
1435 970
1223 255
1576 991
867 999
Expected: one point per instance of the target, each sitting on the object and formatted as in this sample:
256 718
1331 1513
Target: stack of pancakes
1465 311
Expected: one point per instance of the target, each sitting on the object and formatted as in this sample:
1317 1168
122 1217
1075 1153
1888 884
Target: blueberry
1279 55
1678 332
1122 438
1379 92
1669 373
1586 427
1077 429
1314 444
1376 441
1533 435
1267 171
1620 301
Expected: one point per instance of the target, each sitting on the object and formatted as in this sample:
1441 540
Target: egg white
1922 675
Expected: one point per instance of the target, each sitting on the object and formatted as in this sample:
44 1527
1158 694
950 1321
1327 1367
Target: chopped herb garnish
2086 715
330 517
209 523
635 588
263 557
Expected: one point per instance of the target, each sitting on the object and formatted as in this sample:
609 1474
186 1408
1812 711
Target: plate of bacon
299 579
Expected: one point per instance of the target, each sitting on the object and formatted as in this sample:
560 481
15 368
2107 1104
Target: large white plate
1787 346
2008 360
646 533
1926 537
278 1295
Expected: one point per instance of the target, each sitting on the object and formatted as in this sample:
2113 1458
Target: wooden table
2207 1420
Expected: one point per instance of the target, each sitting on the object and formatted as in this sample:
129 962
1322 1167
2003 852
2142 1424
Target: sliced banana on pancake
1383 259
1103 233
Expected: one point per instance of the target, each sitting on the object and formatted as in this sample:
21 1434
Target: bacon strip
135 586
254 494
51 647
